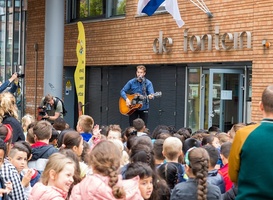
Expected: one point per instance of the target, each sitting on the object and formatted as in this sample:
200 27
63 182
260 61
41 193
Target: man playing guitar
144 89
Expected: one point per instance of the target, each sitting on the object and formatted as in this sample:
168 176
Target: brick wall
129 40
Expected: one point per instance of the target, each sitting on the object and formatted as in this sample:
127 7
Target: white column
54 47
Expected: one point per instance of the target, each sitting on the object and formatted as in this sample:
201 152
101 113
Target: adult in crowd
10 82
250 163
53 108
9 115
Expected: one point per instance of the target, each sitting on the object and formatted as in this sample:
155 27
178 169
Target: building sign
225 41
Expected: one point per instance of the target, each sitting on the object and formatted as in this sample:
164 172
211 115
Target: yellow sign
79 75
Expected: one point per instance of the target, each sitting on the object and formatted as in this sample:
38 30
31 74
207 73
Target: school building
211 71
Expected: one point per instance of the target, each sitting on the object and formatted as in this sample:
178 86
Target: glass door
225 98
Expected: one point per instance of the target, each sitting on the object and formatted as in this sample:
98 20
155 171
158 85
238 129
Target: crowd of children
93 162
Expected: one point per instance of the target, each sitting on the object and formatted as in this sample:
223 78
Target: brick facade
128 40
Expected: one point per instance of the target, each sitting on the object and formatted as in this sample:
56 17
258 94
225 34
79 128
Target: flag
150 6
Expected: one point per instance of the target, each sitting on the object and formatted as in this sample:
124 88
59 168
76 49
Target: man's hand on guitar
128 102
150 96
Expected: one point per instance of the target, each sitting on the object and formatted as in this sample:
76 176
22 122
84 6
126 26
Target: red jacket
224 172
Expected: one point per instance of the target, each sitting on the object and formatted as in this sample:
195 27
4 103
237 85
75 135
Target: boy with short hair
84 126
139 125
41 150
213 176
224 153
172 150
4 189
18 158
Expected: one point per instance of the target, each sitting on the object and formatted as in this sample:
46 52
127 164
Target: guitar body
136 103
124 109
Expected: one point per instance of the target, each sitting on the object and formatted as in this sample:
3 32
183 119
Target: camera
42 110
20 75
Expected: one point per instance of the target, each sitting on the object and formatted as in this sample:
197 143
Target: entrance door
225 98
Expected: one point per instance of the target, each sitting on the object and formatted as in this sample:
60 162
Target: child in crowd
5 188
85 152
124 155
18 157
146 175
139 125
172 150
54 138
41 150
224 153
196 187
56 179
114 132
84 126
223 137
169 173
189 143
74 141
77 173
213 176
30 134
234 129
105 183
8 171
157 150
213 141
26 120
59 124
35 174
128 132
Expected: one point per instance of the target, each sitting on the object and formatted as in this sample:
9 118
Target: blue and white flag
150 6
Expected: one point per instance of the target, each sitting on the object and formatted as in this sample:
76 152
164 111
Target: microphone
140 78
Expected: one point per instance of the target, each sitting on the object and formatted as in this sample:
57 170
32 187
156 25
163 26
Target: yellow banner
79 75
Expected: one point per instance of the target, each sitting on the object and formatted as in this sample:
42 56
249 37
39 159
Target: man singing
142 86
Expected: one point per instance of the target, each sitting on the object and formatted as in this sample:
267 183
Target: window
94 9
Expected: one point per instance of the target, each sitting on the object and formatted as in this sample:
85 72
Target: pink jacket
95 187
43 192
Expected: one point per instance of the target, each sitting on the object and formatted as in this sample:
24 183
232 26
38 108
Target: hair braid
117 191
199 161
201 177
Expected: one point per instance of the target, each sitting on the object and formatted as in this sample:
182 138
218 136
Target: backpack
56 103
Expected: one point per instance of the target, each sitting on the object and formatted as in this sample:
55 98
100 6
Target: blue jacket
6 84
133 86
216 179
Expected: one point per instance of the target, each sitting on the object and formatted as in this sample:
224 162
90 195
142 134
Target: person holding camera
50 108
11 81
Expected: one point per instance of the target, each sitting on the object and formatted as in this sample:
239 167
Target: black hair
54 136
225 149
189 143
213 154
3 146
169 172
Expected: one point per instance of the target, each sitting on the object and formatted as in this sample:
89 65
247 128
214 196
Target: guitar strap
144 90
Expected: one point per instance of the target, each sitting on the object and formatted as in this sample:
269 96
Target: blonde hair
172 147
56 162
114 127
105 160
86 123
142 67
234 129
26 120
8 105
124 155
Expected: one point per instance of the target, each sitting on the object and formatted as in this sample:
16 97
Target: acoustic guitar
136 103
